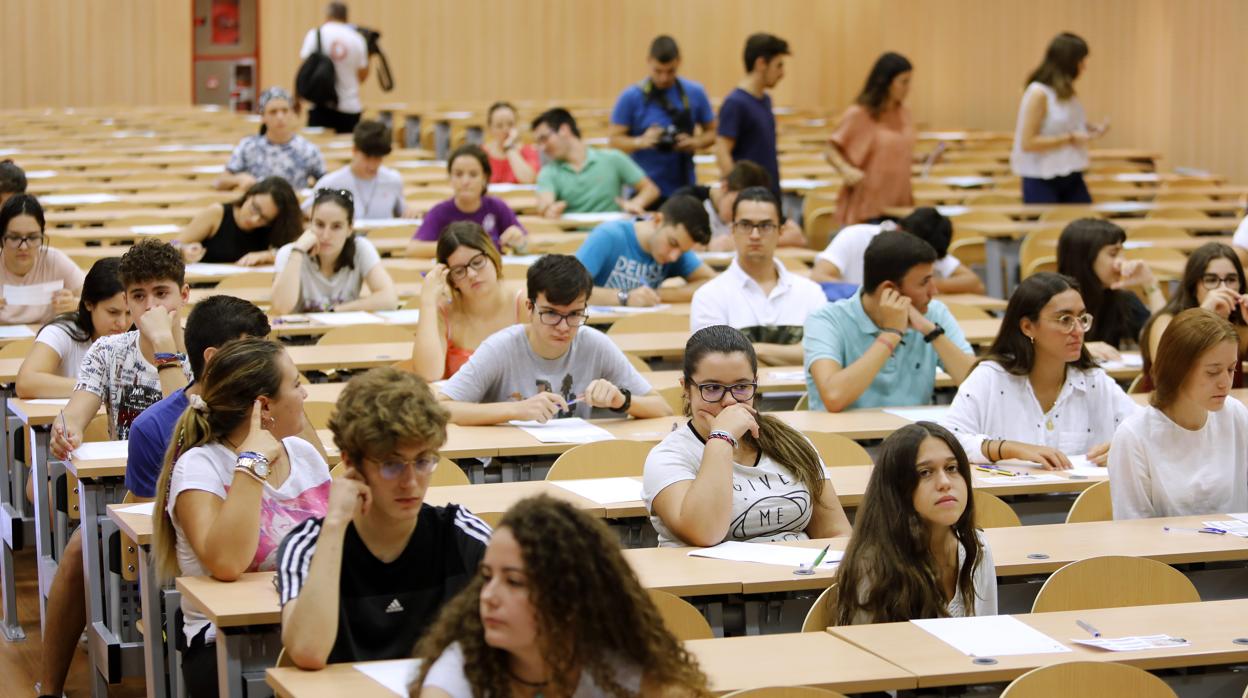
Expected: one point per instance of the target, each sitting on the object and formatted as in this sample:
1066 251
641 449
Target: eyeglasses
477 263
20 241
715 392
1212 281
747 227
391 469
552 318
1068 322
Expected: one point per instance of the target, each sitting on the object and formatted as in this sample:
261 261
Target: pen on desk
997 470
1207 529
1088 628
819 559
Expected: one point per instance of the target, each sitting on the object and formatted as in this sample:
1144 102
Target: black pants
341 122
1067 189
199 666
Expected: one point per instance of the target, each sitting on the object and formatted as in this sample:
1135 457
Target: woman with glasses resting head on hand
325 269
245 231
1038 395
237 479
1214 280
731 472
462 302
554 610
916 552
26 260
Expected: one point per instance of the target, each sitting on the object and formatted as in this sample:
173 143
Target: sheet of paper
802 183
154 229
399 317
40 174
205 269
420 163
597 217
15 331
572 430
933 413
1084 467
1122 206
208 169
990 636
1134 642
371 223
49 401
766 554
704 159
76 199
521 258
357 317
786 375
32 294
1131 359
148 508
1240 517
504 188
951 210
606 490
395 674
1235 527
102 450
626 310
716 255
1017 479
967 182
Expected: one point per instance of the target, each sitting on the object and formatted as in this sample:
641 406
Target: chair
786 692
837 450
1113 581
247 279
448 473
1093 504
962 311
970 249
1038 243
1063 214
650 322
822 613
284 660
1040 264
1175 214
17 350
318 413
366 334
612 458
1087 680
992 512
803 403
675 397
820 226
1137 385
637 363
681 618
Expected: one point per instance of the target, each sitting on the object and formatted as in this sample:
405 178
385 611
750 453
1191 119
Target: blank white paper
572 430
395 674
782 555
990 636
605 490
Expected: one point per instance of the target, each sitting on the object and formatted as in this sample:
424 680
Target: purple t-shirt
494 216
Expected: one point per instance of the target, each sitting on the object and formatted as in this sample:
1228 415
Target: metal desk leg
411 131
45 555
993 260
14 520
442 139
242 656
155 661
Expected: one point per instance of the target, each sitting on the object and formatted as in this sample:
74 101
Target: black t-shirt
1119 319
384 608
230 242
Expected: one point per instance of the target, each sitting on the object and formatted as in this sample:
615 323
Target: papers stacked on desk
357 317
767 554
990 636
604 490
572 430
1129 360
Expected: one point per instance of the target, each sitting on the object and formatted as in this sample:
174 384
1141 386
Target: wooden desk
349 356
935 663
1110 208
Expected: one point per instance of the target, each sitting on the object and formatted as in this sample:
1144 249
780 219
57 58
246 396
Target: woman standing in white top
1038 395
1051 140
1187 452
915 552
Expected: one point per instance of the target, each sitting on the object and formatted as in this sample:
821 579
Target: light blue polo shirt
841 331
596 186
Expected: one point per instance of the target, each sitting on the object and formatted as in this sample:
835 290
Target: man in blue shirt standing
663 120
747 126
629 260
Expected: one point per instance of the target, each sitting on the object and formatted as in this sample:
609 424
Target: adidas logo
394 607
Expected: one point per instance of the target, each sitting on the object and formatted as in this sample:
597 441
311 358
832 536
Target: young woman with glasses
1038 395
326 268
462 301
731 472
1214 280
26 260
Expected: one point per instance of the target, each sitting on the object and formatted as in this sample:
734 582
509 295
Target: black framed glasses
763 227
715 392
392 468
553 318
20 241
1212 281
477 263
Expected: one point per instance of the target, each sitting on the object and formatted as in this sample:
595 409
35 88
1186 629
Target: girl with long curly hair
554 611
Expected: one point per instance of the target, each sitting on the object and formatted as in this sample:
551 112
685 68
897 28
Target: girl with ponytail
236 479
732 473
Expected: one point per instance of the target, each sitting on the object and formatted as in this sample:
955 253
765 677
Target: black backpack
315 80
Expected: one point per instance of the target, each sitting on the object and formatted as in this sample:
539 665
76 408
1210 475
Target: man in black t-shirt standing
364 582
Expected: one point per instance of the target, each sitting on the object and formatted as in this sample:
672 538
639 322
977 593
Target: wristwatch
254 464
934 334
628 401
623 297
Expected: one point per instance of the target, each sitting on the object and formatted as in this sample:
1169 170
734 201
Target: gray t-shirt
505 368
316 292
769 503
379 197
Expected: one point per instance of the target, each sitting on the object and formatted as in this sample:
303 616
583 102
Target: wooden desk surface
1019 229
349 356
1110 208
103 467
251 600
137 526
496 498
35 414
936 663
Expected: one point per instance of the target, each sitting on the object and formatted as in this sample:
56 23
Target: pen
1088 627
1207 529
820 557
996 470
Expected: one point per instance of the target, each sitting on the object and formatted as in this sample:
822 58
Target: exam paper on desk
356 317
931 413
148 508
572 430
766 554
604 490
395 674
1135 642
102 450
990 636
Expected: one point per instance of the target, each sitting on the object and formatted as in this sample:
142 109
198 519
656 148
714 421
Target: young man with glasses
629 260
553 366
757 295
364 582
881 347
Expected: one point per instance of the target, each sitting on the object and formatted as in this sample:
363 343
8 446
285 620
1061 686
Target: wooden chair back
638 363
822 614
1087 680
837 450
970 249
803 403
681 618
820 226
674 396
1093 504
611 458
992 512
1113 581
18 349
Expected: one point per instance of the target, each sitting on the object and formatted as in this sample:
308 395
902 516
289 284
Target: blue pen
1206 529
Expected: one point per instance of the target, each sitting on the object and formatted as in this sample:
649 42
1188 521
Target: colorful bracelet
722 435
170 356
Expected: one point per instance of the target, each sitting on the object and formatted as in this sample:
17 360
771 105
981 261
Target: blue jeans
1067 189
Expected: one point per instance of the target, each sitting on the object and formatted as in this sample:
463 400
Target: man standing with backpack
345 47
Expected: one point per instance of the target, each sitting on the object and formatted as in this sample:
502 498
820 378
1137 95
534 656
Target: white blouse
994 404
1060 117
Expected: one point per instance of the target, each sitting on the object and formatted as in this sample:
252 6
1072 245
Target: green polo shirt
595 187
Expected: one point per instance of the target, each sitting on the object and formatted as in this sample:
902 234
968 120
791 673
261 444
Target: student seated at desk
1038 395
1187 452
469 169
1213 279
511 160
757 295
579 179
235 482
246 231
842 259
26 260
1090 251
364 582
554 610
552 366
277 151
12 180
462 302
915 552
326 268
629 260
377 189
719 200
733 473
50 370
881 347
